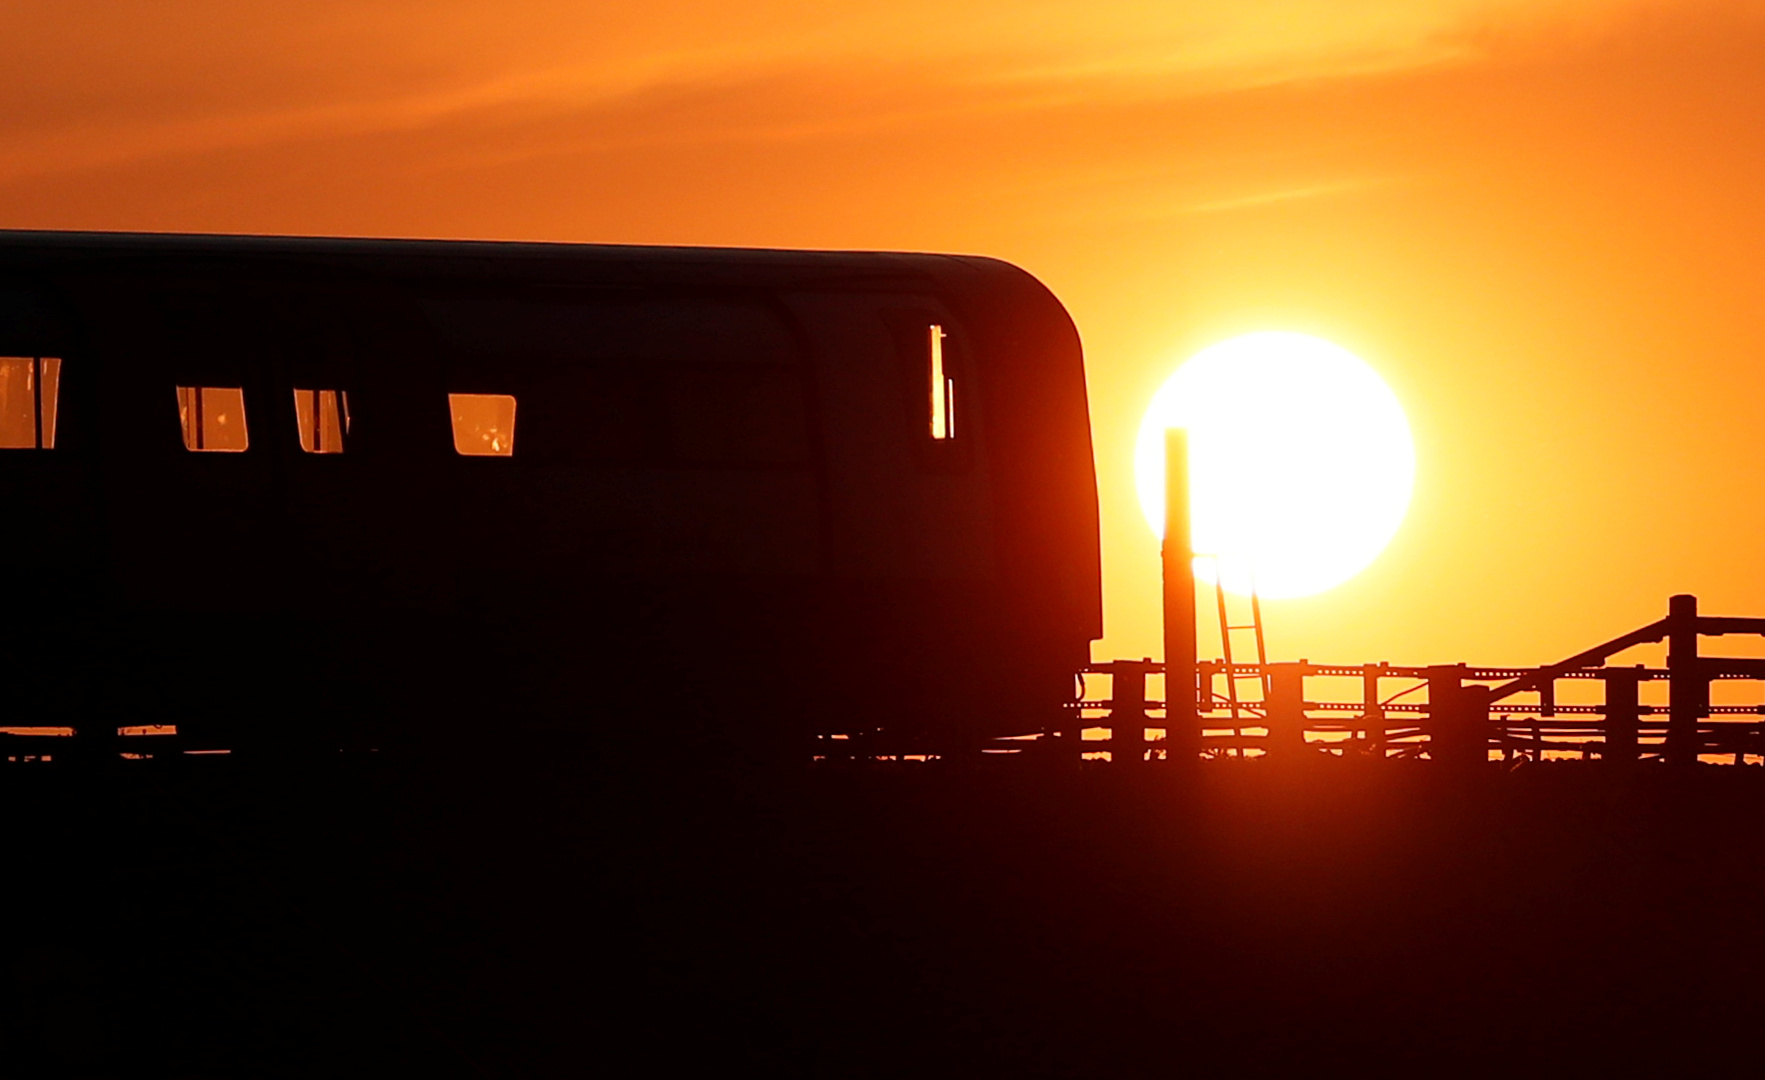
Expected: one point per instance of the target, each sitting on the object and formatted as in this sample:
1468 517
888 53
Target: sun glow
1300 462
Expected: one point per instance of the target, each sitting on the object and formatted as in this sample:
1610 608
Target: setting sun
1300 462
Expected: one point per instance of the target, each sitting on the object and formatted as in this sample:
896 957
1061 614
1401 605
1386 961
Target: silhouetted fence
1451 713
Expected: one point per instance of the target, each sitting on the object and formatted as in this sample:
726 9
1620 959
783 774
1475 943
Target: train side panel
728 515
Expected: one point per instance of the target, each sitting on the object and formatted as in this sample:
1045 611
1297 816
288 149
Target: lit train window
213 418
943 388
484 424
29 389
323 417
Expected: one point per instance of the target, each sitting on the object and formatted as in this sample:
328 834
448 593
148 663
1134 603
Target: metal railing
1450 713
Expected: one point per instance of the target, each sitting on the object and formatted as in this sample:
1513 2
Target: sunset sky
1542 222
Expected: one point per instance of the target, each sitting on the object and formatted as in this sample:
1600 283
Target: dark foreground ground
519 918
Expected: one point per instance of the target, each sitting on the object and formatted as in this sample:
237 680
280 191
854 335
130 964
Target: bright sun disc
1300 462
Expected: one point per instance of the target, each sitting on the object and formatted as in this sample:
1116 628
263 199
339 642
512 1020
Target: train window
213 418
943 388
29 389
323 417
484 424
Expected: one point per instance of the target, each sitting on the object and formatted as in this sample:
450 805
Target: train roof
572 263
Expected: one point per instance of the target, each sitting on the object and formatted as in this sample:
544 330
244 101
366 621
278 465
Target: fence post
1622 712
1688 690
1457 717
1372 713
1206 671
1127 711
1286 710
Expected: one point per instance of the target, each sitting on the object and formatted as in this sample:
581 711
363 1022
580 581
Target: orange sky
1543 222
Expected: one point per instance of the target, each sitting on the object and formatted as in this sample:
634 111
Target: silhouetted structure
279 494
1464 719
1178 557
360 492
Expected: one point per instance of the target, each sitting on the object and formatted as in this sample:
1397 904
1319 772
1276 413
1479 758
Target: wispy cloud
1259 199
128 81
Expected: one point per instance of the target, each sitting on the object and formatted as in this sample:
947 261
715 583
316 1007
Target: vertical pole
1182 723
1286 709
1443 697
1458 717
1127 711
1474 703
1622 712
1547 709
1372 713
1071 746
1687 690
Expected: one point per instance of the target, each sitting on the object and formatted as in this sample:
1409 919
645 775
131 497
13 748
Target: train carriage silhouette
347 493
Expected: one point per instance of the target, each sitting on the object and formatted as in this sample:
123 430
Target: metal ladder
1240 708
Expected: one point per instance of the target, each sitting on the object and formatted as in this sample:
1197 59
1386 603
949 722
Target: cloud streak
115 82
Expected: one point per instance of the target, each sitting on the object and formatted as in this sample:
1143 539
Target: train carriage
287 492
